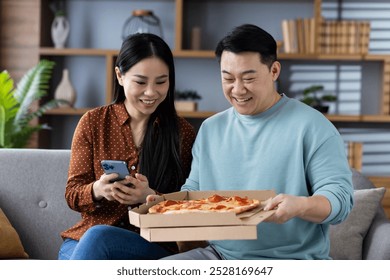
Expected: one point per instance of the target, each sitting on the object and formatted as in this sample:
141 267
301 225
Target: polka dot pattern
105 133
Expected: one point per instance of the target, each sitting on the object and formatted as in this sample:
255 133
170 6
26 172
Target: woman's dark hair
249 38
160 153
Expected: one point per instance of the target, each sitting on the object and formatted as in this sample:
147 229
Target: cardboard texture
200 226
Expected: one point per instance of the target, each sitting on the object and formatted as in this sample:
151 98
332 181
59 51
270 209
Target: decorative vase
65 90
60 31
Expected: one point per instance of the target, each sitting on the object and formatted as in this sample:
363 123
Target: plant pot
332 107
323 109
187 106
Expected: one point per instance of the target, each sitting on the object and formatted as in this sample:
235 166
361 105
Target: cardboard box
200 226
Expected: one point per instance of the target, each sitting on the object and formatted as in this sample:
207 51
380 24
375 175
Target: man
269 141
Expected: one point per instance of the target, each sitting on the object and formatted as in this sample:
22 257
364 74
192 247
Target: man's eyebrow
243 73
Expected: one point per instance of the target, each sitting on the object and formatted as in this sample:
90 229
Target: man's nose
238 87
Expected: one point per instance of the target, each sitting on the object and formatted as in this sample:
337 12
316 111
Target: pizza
214 203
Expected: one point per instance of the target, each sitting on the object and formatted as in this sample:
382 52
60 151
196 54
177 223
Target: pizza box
200 226
172 234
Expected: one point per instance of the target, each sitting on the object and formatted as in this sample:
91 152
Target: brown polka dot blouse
105 133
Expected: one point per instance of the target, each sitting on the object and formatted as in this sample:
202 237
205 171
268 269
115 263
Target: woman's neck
138 124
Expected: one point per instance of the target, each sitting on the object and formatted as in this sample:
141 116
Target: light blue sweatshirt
290 148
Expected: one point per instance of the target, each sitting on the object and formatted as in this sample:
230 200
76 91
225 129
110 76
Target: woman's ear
118 75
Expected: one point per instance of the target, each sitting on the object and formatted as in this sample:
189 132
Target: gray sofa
32 185
32 188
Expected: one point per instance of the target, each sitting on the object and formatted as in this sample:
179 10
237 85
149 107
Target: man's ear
118 75
275 70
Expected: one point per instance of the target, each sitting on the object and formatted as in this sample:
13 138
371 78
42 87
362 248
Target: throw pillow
346 238
10 245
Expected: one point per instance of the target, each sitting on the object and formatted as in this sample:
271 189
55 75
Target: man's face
247 83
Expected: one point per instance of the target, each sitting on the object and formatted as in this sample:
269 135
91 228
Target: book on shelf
344 37
385 110
335 37
298 35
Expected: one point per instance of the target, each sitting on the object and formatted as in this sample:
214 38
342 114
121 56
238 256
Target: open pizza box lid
139 216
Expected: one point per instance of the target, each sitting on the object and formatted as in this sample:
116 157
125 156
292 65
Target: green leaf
7 99
33 86
2 125
16 111
312 89
20 139
41 110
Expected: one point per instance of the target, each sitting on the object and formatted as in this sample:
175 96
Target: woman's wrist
95 195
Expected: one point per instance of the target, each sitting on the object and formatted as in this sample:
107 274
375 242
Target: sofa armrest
377 241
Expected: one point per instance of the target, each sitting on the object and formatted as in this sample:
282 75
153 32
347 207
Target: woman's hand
132 190
102 188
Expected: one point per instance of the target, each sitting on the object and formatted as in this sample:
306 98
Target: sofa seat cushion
10 245
346 238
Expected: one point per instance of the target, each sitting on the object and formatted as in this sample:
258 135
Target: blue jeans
103 242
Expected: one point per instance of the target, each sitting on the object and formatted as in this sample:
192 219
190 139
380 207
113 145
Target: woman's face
145 85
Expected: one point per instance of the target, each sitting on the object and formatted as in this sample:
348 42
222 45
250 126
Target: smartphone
115 166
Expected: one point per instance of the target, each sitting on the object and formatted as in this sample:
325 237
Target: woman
142 128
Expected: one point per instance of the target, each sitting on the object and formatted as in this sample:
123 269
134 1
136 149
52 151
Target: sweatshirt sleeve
329 175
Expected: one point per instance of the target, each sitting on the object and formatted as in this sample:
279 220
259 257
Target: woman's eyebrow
144 77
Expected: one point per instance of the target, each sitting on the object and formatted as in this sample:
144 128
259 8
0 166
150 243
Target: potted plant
186 100
313 98
19 106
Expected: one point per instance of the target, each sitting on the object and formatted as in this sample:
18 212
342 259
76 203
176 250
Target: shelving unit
182 51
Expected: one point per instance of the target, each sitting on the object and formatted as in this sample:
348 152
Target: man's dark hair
249 38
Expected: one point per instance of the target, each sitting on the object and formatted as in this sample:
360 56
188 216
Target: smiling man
267 140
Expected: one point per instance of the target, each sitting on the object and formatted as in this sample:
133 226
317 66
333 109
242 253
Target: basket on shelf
142 21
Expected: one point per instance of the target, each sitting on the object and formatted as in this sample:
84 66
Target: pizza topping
214 203
169 202
216 198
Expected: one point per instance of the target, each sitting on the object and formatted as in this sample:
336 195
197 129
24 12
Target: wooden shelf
196 114
194 54
376 118
73 51
81 111
68 111
205 114
359 118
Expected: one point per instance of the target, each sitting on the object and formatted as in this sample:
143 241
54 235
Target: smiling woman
145 85
141 128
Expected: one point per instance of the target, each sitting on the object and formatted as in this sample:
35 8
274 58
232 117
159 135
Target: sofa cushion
346 238
10 245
